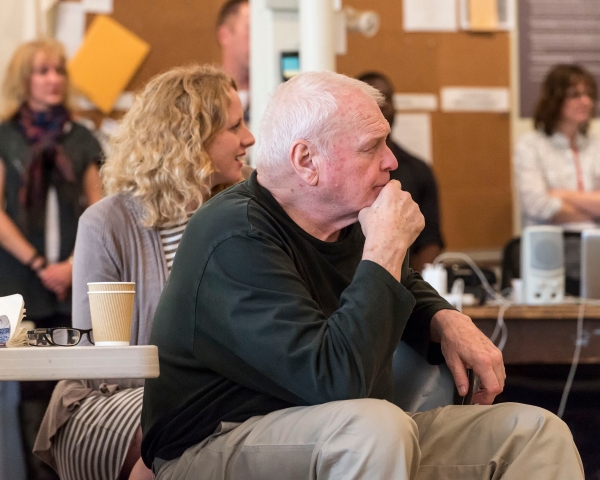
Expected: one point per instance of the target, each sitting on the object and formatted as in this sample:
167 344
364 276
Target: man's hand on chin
390 225
465 346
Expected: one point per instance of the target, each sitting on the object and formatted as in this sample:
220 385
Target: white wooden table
59 363
65 363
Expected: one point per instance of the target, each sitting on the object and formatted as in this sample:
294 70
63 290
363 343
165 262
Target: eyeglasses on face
575 93
59 336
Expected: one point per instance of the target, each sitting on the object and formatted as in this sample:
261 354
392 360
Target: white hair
304 108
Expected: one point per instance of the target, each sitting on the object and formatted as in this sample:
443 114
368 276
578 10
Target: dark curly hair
554 93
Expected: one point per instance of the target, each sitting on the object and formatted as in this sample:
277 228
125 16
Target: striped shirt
169 238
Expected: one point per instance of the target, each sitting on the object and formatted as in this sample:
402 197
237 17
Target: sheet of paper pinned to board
415 101
70 26
483 15
97 6
475 99
412 131
430 15
107 60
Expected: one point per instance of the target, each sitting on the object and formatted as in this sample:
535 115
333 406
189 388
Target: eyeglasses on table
59 336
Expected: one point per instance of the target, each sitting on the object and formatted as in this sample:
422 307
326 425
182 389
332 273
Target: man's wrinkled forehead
361 115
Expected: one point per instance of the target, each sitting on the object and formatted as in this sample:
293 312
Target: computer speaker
542 265
590 259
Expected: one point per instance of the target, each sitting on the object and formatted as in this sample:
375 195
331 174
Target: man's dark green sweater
257 316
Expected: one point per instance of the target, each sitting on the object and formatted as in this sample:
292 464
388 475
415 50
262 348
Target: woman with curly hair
183 139
48 176
557 167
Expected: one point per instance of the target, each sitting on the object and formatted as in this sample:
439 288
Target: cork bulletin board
179 32
471 151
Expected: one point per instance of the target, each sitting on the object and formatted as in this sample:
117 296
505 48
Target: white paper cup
111 312
110 286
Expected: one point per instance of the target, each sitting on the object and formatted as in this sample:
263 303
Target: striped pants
92 445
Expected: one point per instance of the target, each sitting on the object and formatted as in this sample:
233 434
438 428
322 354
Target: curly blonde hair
15 88
159 151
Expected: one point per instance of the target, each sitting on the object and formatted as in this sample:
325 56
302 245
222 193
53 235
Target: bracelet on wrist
36 265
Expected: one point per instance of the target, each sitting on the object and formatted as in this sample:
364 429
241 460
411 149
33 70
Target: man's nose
389 163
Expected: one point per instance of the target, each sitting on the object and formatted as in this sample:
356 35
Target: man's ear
304 162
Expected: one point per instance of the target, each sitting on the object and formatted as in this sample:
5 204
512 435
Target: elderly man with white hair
288 296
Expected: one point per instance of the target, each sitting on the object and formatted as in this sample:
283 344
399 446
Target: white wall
21 21
12 32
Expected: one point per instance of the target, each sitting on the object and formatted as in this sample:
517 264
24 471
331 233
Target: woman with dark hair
48 176
557 167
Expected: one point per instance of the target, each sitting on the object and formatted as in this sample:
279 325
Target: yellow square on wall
108 58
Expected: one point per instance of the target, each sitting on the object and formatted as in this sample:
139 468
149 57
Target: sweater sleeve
428 303
268 320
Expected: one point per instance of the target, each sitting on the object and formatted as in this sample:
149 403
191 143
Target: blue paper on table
4 329
12 312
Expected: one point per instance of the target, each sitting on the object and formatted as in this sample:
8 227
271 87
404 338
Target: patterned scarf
47 163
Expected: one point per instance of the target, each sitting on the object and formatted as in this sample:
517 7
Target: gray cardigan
112 246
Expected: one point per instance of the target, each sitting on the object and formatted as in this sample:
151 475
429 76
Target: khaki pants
373 439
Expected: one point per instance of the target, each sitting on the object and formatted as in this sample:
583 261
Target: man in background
416 178
233 35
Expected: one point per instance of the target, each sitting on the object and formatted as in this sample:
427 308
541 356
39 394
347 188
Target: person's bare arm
11 238
582 203
570 213
92 184
390 225
465 346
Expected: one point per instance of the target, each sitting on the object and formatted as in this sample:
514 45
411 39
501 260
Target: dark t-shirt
417 179
258 315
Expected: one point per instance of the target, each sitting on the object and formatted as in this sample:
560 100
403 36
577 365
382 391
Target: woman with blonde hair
48 176
183 138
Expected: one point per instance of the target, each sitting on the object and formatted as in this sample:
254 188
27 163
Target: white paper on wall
430 15
412 131
475 99
415 101
97 6
70 26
